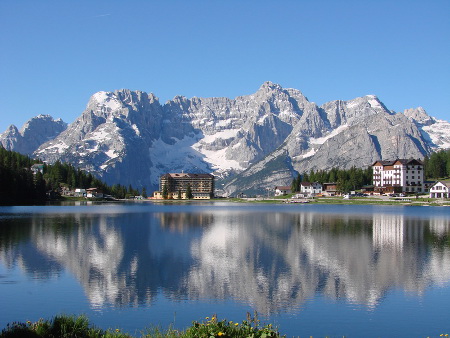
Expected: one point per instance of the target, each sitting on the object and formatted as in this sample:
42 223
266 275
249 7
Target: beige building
282 190
201 185
398 176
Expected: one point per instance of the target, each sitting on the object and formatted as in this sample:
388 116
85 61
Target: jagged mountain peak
132 97
33 133
42 121
419 115
104 102
12 129
269 85
120 98
179 98
366 101
270 89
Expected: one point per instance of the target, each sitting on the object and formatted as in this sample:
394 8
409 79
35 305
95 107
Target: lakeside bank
382 200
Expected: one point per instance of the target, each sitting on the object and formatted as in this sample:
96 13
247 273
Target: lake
311 270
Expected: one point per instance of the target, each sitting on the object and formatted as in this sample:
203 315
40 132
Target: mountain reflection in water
273 261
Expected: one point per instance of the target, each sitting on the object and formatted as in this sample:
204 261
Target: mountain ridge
129 137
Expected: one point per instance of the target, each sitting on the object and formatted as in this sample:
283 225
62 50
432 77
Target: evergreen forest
347 180
437 165
19 185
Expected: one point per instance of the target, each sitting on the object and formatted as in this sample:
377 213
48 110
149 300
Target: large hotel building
404 176
201 185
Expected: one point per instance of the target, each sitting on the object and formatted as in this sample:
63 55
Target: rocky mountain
251 143
34 133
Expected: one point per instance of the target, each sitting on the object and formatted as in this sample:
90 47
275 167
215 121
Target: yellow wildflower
220 333
236 324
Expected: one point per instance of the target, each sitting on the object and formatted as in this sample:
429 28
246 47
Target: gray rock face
250 143
420 116
435 132
34 132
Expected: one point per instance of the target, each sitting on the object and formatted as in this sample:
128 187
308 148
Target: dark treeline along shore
20 185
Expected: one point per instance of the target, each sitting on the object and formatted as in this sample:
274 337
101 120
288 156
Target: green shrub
215 328
17 329
78 326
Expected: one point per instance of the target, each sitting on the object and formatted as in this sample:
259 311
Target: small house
330 189
94 193
281 191
310 188
80 192
440 189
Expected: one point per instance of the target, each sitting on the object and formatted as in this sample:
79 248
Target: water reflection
272 261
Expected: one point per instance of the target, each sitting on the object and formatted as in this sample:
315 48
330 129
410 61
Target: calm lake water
312 270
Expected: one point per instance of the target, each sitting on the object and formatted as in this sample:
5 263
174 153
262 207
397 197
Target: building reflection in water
271 261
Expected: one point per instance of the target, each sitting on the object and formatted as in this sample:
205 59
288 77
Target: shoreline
382 200
355 201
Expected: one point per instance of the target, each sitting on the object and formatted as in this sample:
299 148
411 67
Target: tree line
437 165
19 185
346 179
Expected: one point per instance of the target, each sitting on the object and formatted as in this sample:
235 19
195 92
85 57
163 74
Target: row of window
413 189
439 187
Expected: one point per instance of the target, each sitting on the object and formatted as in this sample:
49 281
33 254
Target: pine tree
332 176
39 185
189 194
305 177
294 185
165 192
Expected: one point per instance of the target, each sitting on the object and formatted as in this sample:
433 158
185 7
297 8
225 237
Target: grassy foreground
79 326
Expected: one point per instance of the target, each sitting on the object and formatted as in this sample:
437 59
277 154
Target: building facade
282 190
201 186
398 176
440 189
330 189
310 188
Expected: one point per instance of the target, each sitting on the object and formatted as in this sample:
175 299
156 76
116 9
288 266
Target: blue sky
55 54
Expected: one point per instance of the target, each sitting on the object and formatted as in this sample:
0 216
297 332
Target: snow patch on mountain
224 135
59 148
165 159
101 134
322 140
107 99
439 133
218 159
309 153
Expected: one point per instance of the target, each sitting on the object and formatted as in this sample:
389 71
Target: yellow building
201 185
